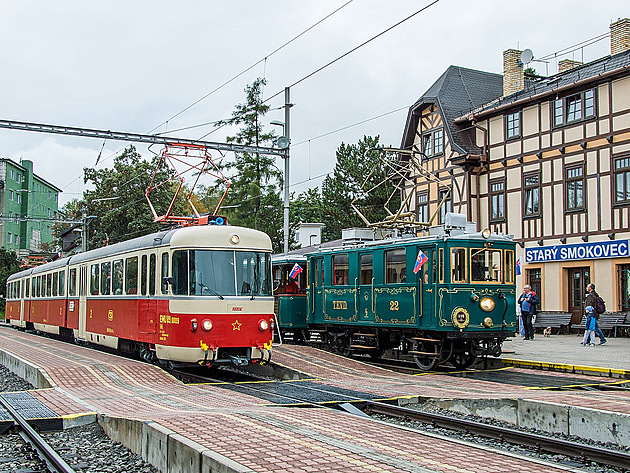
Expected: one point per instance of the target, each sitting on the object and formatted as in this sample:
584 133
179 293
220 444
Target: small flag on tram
297 269
518 267
420 260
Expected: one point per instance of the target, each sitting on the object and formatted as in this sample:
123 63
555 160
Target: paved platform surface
266 438
615 354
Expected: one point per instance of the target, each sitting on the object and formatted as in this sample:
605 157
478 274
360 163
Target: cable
355 48
253 65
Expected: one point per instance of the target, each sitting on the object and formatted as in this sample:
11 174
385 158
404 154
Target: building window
531 190
10 238
574 108
12 174
513 124
446 206
497 201
534 279
11 195
433 142
622 180
423 207
575 188
623 278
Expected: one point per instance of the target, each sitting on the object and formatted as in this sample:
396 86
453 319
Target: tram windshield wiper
211 291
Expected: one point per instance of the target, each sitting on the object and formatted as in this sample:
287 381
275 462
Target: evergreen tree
8 266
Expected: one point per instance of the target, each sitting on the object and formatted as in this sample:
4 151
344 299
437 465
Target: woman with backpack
592 299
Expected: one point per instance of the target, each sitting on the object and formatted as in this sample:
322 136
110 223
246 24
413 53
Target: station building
546 159
28 209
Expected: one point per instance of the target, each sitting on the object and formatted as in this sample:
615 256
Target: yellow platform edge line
564 366
76 416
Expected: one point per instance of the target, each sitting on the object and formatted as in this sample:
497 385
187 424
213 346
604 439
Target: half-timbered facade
546 159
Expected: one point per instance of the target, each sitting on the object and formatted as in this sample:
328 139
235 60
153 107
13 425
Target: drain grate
37 414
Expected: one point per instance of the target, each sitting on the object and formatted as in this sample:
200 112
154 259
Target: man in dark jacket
528 302
591 299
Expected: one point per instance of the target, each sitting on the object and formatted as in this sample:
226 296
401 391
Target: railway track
602 456
54 462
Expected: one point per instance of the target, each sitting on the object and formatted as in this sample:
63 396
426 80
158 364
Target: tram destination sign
578 251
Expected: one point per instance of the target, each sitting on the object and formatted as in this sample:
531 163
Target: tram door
427 276
579 278
366 288
82 302
317 287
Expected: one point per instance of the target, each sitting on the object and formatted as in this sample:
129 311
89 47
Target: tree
8 266
118 199
254 196
354 165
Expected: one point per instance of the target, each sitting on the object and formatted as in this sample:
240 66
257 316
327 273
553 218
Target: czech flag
297 269
518 267
420 260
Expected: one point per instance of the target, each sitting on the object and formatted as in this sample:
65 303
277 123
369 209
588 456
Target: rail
55 463
596 454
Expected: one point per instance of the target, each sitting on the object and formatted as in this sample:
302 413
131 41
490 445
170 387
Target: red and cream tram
189 295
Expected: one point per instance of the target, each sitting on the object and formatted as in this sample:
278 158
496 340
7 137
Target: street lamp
283 142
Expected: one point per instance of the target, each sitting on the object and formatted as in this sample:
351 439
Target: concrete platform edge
27 371
563 367
165 449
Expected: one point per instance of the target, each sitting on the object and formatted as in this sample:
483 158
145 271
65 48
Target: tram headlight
487 322
193 325
263 325
206 325
486 304
234 239
486 233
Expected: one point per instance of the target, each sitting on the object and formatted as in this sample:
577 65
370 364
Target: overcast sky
131 66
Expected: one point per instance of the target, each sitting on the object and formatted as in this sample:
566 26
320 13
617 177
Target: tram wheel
426 363
462 360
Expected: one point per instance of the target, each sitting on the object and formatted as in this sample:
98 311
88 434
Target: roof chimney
620 36
513 78
567 64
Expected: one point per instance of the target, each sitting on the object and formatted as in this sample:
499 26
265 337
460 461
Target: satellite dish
527 56
283 142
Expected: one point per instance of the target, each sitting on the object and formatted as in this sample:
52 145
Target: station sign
578 251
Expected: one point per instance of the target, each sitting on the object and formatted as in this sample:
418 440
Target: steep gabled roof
456 92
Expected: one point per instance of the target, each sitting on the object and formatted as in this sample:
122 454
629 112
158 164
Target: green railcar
437 299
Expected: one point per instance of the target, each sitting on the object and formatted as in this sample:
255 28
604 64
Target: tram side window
458 265
509 267
27 287
55 284
152 270
485 265
180 273
94 279
143 275
34 287
106 278
395 266
49 285
72 282
367 270
131 275
117 277
164 272
340 269
62 283
39 286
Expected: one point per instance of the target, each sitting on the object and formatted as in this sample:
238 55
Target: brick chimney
620 36
513 78
567 64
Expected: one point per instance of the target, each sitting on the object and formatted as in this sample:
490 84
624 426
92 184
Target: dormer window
433 142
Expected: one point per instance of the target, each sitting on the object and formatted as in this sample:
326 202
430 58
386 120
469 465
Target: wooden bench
556 320
608 322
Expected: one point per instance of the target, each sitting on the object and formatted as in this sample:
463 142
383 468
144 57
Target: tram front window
221 273
485 265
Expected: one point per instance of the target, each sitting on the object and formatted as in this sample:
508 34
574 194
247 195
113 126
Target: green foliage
348 181
8 266
118 199
254 198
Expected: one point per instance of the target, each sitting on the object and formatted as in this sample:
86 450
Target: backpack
600 305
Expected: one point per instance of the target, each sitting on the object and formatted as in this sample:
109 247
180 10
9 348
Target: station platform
210 428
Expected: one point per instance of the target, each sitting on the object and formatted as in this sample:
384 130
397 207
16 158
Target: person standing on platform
528 301
589 333
591 300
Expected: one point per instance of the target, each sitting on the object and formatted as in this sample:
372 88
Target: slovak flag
297 269
420 260
518 267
